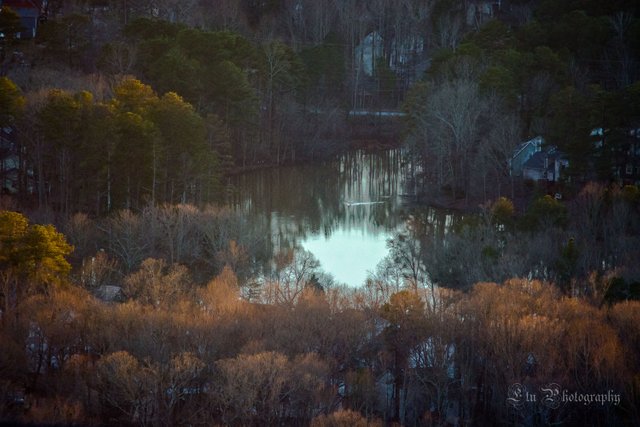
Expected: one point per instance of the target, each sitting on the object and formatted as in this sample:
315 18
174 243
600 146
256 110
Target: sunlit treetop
11 101
32 252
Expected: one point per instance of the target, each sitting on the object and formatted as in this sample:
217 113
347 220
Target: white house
545 165
523 153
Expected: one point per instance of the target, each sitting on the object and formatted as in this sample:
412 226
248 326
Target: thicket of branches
163 313
203 328
274 80
586 247
565 71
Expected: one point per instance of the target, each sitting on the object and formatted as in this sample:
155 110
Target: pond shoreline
342 210
367 146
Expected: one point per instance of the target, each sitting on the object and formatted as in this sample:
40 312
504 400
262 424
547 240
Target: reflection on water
343 211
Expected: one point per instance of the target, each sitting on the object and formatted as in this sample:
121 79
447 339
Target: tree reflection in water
343 210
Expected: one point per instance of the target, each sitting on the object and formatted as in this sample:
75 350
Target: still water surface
343 211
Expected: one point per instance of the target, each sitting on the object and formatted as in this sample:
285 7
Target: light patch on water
348 254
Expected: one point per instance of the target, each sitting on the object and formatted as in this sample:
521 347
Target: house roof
537 161
536 142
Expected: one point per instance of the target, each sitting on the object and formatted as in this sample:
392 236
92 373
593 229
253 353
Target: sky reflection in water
343 211
348 254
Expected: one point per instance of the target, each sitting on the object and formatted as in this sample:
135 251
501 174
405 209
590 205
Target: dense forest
132 294
171 346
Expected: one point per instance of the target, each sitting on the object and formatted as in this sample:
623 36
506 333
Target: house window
629 169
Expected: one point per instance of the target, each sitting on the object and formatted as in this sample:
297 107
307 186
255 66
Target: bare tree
182 11
449 29
157 285
252 386
126 238
120 58
97 271
451 128
176 234
496 148
221 296
182 379
127 385
293 271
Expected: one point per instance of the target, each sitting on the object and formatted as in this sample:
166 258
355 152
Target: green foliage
13 226
32 253
577 113
490 254
314 285
150 144
531 34
131 95
130 150
144 28
570 129
545 212
150 51
441 58
528 66
502 211
10 25
219 141
545 59
170 154
525 79
177 121
133 159
46 252
184 143
211 70
581 34
66 122
207 68
282 67
325 66
468 49
500 79
209 48
230 94
468 223
60 118
493 37
11 101
176 72
67 38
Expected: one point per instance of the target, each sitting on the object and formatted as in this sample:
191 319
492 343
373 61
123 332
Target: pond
343 211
